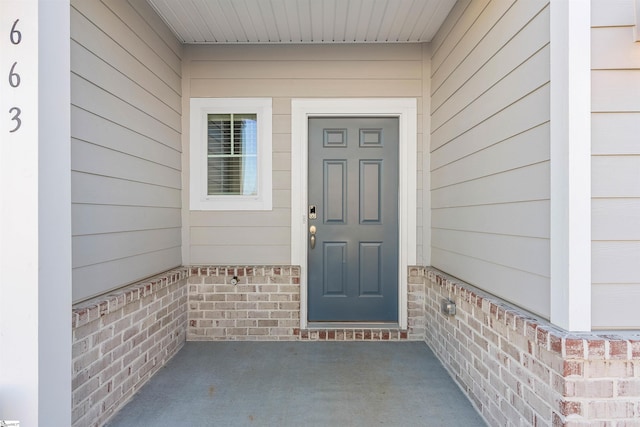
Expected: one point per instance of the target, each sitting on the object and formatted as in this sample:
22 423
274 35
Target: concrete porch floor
300 383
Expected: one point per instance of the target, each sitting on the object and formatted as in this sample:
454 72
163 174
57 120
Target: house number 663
15 37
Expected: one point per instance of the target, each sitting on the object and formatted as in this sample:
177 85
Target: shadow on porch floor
300 383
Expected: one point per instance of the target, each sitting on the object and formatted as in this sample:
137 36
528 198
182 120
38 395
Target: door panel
353 184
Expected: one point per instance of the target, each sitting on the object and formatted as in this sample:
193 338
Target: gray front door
353 207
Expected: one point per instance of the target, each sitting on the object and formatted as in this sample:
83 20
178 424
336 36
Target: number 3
16 117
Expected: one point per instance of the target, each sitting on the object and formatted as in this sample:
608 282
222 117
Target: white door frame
406 111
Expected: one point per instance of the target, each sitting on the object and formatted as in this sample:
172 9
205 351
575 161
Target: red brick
568 407
574 348
635 349
572 367
618 349
542 338
597 349
555 344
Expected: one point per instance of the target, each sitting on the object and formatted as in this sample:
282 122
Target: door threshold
328 326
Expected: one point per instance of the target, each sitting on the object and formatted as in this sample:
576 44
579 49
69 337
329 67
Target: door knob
312 236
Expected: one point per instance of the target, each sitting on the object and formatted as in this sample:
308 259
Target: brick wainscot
517 370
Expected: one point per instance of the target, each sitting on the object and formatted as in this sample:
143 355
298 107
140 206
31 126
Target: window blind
232 154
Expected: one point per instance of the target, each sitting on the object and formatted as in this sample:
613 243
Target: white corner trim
636 28
403 108
570 165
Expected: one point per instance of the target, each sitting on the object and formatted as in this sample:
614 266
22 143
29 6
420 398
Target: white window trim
200 108
406 111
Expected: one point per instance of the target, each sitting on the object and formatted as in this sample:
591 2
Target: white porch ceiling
303 21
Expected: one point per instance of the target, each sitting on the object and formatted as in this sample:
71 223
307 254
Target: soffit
303 21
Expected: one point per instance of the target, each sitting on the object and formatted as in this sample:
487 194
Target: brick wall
518 370
521 371
121 339
264 304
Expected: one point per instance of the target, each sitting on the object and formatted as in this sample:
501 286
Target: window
230 154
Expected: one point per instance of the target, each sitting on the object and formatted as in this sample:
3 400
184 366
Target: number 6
14 78
15 36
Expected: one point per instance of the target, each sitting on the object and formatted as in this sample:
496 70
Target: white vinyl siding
125 147
615 165
490 149
282 73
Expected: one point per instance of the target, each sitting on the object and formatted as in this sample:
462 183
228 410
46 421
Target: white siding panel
100 219
490 183
98 279
615 90
611 262
256 235
281 198
524 114
527 290
100 248
507 45
612 48
103 18
521 150
522 81
616 176
241 255
312 88
86 34
521 253
90 67
449 24
498 22
274 218
281 161
519 185
615 133
130 17
611 13
517 219
456 34
617 306
90 158
89 127
126 142
90 97
615 206
362 69
615 219
101 190
146 12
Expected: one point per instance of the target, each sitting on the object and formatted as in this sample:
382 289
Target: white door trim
406 111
